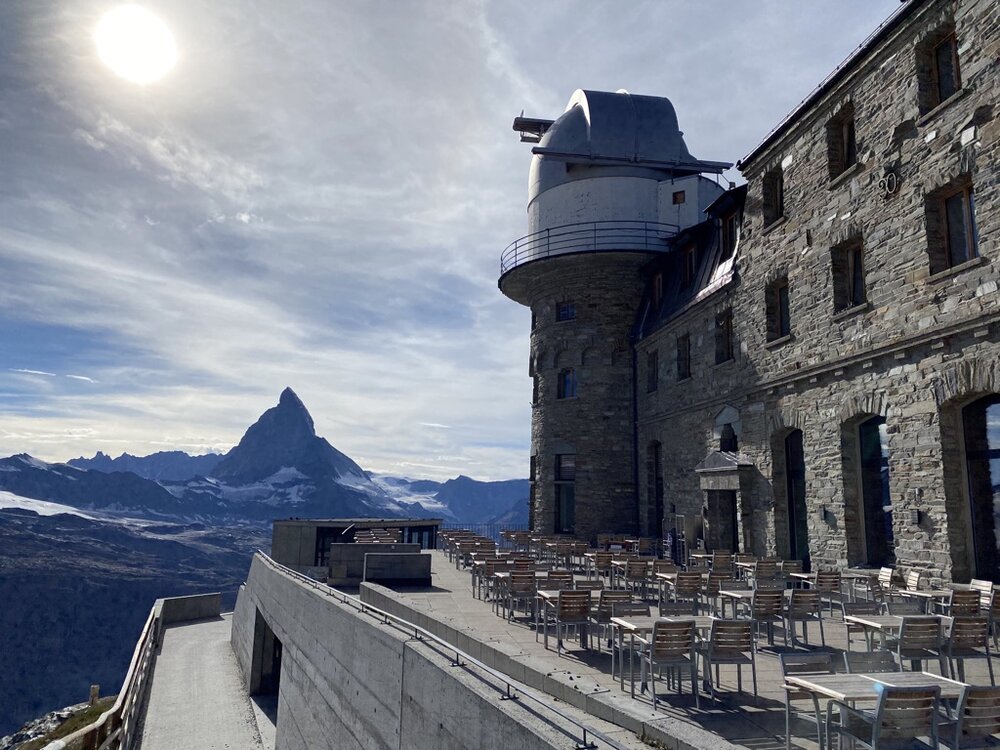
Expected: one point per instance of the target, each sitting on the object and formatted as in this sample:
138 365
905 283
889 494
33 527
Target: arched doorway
981 433
654 488
873 466
795 496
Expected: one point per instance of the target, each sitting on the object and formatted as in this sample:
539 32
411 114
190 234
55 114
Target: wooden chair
913 580
764 570
828 584
722 562
601 614
638 574
671 646
904 606
557 580
805 606
869 661
790 566
985 589
729 642
626 609
602 564
520 588
597 585
687 586
767 607
803 664
963 603
710 590
901 714
571 610
677 609
976 719
968 638
919 640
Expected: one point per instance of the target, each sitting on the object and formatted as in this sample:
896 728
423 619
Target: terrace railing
590 236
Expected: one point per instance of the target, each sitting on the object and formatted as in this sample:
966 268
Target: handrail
589 236
420 633
113 729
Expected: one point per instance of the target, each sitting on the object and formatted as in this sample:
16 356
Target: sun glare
135 44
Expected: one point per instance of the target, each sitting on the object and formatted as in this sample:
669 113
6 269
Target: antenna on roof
531 129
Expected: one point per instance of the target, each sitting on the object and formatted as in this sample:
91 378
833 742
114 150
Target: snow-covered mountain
280 468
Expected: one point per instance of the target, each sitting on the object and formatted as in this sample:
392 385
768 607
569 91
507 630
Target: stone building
810 366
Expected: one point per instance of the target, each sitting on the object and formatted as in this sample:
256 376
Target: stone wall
921 346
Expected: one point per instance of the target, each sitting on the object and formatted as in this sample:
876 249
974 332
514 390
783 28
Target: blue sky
317 196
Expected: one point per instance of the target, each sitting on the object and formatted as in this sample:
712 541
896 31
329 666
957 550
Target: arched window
795 496
873 465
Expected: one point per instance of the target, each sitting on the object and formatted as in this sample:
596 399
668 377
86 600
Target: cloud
317 196
33 372
81 377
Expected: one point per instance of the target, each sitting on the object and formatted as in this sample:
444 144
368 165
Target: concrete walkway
197 699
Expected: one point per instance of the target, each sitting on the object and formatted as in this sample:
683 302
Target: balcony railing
590 236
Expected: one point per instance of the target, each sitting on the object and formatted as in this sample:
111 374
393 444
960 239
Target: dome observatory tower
611 184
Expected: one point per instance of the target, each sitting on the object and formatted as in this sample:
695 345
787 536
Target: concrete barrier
398 569
347 561
186 608
348 680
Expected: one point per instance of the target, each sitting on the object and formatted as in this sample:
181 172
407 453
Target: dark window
873 439
938 75
730 235
728 441
679 197
724 336
683 357
657 290
779 322
951 227
566 385
848 263
652 371
534 389
565 311
773 188
946 81
534 320
690 258
842 144
565 520
532 467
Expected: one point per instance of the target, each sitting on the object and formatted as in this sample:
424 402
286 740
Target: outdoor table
930 596
640 625
882 624
850 688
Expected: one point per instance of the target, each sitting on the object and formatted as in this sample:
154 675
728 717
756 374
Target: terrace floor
734 717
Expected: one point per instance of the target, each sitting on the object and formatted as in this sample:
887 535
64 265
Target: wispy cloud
317 196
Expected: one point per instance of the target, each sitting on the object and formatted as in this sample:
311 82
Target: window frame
848 268
565 311
683 362
938 95
657 295
970 233
773 196
566 384
729 235
564 492
689 259
652 370
725 351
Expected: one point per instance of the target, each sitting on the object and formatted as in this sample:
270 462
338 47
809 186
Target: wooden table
929 596
850 688
639 625
882 624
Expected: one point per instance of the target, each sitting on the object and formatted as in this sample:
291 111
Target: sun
135 44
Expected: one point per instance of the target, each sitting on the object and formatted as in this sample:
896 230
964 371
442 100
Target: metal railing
590 236
488 530
115 728
513 690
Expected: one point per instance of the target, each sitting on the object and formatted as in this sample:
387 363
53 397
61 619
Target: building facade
814 362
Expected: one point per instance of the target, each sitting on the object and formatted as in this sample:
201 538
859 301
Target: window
938 75
779 322
689 259
534 389
841 140
565 311
683 357
652 371
848 265
565 521
532 467
566 385
679 197
951 226
657 291
534 320
724 336
730 235
773 188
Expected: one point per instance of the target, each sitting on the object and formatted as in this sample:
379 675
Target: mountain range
87 546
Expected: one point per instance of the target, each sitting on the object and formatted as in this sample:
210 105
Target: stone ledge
855 169
932 113
955 270
849 312
775 343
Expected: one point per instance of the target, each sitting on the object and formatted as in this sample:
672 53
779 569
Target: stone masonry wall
923 345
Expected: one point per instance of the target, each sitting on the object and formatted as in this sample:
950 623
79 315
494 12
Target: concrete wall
347 561
348 681
187 608
294 545
398 569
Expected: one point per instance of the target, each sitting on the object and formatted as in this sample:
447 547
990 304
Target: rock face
285 437
165 465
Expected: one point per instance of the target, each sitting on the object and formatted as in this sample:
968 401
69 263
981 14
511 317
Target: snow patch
41 507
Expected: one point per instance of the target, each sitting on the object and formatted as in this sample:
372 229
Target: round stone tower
611 184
